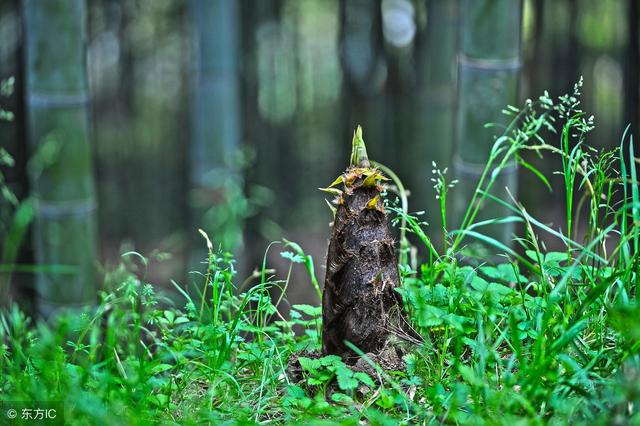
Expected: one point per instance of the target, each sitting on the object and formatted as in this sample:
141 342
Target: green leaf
532 254
308 364
14 238
456 321
7 85
430 316
470 376
169 315
6 159
492 288
308 263
341 398
503 272
625 318
536 172
295 258
181 320
364 378
159 400
386 400
554 258
161 368
296 392
331 360
312 311
346 381
497 244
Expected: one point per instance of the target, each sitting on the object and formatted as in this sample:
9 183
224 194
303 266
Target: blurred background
136 122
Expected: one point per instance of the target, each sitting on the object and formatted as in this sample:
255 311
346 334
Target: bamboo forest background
228 115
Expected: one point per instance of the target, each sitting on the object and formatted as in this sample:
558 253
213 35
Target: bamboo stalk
488 70
434 107
12 249
215 116
631 80
61 171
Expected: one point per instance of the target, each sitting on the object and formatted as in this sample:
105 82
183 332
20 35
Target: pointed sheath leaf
369 181
372 204
373 178
359 157
338 181
333 209
333 191
350 178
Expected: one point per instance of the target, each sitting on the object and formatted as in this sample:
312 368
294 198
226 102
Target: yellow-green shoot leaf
334 191
338 181
359 155
373 202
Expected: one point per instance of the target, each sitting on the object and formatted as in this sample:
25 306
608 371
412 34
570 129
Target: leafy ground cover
540 337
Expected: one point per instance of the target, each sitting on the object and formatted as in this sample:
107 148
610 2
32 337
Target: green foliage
225 205
543 337
321 371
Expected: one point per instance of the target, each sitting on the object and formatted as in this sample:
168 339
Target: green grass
542 337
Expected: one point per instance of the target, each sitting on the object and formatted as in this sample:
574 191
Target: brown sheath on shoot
359 302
